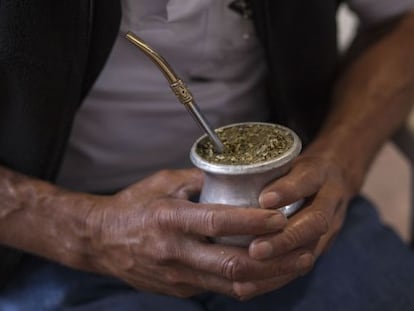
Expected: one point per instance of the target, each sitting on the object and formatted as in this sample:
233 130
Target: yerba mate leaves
247 144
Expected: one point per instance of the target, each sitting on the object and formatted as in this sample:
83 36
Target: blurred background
389 181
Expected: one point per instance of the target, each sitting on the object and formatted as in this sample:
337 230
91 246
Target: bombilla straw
178 87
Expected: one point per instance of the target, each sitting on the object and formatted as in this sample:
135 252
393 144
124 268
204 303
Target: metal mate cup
240 185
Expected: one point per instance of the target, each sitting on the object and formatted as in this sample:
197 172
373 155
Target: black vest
52 51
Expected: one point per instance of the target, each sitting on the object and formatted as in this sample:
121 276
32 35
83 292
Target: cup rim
230 169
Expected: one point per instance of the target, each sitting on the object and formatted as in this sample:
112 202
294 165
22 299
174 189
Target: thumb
188 183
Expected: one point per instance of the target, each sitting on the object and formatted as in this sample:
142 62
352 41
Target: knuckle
165 174
289 187
161 216
314 174
321 222
306 170
233 268
289 184
290 241
164 254
163 177
305 263
303 183
173 277
211 224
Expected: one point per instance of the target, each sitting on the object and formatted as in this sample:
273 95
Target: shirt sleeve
373 11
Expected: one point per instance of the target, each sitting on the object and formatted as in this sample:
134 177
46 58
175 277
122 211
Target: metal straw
178 87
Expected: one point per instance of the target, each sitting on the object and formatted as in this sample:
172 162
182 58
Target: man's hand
151 236
370 101
309 232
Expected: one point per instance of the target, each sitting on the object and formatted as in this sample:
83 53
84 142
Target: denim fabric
368 268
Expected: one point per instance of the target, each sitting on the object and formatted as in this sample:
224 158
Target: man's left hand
323 182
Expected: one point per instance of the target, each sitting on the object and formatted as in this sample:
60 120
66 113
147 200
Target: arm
370 101
372 98
40 218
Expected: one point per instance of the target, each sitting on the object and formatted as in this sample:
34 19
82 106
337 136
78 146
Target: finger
191 183
305 227
190 278
161 286
248 290
218 220
304 180
327 240
180 184
234 264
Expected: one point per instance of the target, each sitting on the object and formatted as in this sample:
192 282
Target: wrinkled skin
310 231
154 238
151 236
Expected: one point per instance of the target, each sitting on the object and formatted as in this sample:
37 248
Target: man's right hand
150 235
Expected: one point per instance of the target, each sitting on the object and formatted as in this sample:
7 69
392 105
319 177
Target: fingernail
304 263
269 199
276 221
262 250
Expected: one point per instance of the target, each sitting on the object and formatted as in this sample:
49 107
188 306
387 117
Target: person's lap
367 268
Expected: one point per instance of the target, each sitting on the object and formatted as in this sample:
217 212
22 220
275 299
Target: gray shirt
131 125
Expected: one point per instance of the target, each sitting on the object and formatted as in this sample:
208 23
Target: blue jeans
367 269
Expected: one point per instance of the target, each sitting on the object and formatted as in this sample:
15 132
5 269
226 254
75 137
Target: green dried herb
247 144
